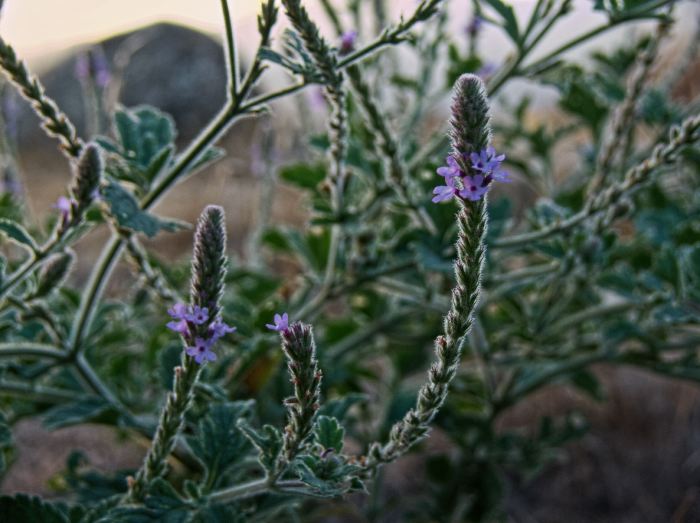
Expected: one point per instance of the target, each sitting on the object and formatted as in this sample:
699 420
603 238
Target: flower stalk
208 274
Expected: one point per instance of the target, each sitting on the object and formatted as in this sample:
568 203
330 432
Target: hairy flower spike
200 326
470 133
209 261
470 124
87 178
54 273
300 349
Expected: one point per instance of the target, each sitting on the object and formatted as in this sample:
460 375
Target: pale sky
41 29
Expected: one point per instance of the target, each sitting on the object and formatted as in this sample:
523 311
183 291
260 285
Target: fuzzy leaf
161 505
17 233
268 442
219 443
126 210
90 409
329 433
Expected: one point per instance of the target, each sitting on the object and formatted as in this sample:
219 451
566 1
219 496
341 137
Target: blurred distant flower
92 65
347 42
474 26
487 70
281 323
10 184
316 99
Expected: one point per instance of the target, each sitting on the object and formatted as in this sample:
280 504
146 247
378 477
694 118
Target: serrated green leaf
219 444
126 210
329 434
90 409
268 442
17 233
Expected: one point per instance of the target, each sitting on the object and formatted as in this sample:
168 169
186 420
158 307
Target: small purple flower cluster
281 323
347 42
188 321
485 166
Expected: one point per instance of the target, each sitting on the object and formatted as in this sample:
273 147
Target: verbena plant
601 264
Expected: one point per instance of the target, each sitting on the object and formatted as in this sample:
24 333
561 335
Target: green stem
28 349
231 54
251 489
37 393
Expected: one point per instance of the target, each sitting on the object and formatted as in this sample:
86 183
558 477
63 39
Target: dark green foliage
124 208
91 409
18 234
218 443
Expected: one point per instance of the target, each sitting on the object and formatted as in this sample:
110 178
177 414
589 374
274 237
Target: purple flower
198 315
474 187
487 160
219 329
281 323
452 170
445 192
485 167
64 205
179 326
201 350
179 311
347 42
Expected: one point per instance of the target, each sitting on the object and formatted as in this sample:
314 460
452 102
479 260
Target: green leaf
209 156
161 505
90 409
303 175
17 233
219 443
22 508
126 210
510 22
329 433
268 442
143 133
